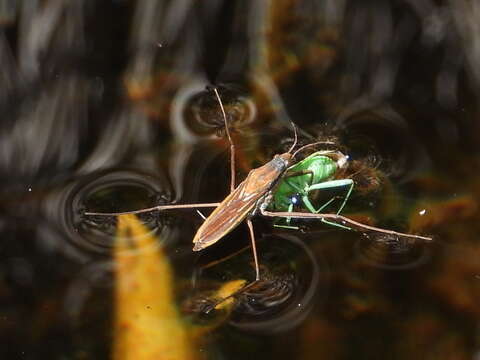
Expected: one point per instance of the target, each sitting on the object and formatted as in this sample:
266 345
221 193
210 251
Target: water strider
273 186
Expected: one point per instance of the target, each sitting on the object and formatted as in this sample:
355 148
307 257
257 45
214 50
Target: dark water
105 108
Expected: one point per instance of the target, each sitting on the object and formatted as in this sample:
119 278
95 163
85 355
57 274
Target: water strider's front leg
157 208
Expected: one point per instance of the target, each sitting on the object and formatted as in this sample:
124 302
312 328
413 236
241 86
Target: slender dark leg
232 146
187 206
254 248
156 208
342 220
257 272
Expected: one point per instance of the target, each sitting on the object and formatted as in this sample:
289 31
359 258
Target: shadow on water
106 108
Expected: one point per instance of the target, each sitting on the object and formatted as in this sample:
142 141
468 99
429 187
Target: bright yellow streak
147 323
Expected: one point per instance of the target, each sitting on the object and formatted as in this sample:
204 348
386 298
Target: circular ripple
288 292
108 191
268 296
197 114
382 135
391 252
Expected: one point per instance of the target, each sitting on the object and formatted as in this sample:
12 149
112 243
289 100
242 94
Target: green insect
316 172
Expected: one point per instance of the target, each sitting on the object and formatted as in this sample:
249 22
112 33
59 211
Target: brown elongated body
241 201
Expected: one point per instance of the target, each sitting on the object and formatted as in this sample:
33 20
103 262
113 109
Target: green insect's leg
300 173
326 185
335 224
310 207
334 184
349 192
287 220
290 209
286 227
293 185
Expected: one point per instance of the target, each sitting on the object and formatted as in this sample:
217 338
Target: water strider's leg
254 249
257 271
187 206
288 220
156 208
232 145
342 220
201 214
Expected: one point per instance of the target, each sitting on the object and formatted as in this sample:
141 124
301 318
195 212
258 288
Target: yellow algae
147 322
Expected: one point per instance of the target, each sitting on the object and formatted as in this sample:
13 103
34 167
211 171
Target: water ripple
112 190
284 299
196 112
392 253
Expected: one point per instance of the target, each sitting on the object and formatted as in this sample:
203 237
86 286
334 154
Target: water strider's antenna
295 138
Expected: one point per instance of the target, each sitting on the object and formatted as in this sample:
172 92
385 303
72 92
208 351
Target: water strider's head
295 139
281 161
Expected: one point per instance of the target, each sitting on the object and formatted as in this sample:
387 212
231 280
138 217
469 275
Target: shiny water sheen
105 107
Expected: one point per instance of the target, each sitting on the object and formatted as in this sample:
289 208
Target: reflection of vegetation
148 324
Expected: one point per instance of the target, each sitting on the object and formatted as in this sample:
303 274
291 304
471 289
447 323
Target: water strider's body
241 202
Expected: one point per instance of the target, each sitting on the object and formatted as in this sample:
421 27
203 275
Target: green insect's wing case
319 167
